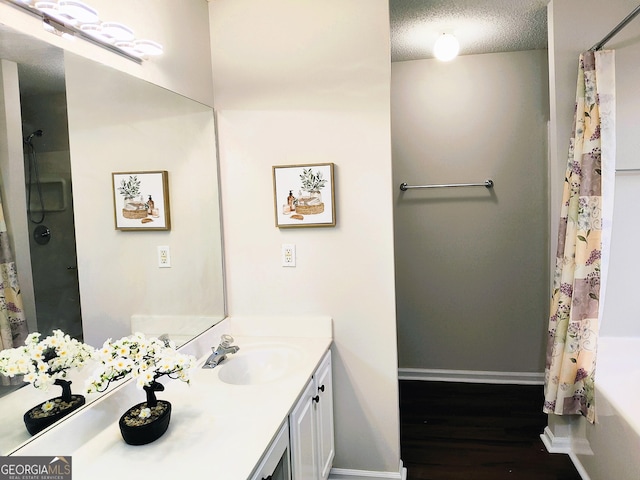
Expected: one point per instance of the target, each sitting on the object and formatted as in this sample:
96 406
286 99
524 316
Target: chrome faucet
164 338
219 354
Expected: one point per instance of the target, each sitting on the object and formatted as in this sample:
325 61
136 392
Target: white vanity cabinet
311 427
275 465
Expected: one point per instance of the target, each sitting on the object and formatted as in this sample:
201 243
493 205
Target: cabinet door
324 407
302 423
275 463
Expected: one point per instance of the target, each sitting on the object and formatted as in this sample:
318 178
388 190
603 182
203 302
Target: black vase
143 433
36 421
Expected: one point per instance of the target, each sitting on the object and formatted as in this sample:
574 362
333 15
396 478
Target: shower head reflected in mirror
37 133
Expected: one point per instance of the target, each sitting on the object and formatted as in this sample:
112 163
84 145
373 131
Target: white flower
48 406
44 361
120 363
145 359
145 379
43 382
145 413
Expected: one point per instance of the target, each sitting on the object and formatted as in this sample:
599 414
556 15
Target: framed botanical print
304 195
141 200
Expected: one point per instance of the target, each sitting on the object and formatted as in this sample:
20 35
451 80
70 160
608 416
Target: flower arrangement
45 362
144 359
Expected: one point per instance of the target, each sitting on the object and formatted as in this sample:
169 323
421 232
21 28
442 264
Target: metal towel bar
487 183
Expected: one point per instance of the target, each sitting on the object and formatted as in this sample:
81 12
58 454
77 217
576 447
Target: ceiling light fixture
79 11
52 26
117 32
148 47
93 29
51 9
446 47
76 18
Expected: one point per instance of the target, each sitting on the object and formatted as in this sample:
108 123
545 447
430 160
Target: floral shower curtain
583 240
13 324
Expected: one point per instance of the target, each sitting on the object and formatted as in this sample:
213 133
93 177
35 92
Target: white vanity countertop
217 429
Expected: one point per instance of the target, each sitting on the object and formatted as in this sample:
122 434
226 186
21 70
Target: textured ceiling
482 26
40 65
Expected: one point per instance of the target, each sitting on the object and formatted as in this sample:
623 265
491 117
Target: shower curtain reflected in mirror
13 324
583 242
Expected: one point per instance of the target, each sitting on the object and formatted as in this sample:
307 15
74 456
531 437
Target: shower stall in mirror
35 184
49 204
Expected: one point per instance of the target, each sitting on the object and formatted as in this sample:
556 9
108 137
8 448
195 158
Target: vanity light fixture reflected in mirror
72 18
51 26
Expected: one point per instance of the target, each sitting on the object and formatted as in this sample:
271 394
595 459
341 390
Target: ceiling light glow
446 47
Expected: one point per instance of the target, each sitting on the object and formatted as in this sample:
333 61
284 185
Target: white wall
118 123
305 82
472 290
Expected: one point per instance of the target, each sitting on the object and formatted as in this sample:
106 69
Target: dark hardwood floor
469 431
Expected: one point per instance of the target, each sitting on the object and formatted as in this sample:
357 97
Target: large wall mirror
78 122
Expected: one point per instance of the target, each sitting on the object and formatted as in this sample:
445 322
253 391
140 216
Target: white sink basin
255 364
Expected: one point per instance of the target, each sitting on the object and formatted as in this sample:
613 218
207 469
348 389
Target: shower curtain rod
614 32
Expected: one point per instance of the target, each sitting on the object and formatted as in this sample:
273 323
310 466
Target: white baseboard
555 444
471 376
578 464
571 445
348 474
568 446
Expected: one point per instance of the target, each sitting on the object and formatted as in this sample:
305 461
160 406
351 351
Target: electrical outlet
288 255
164 256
